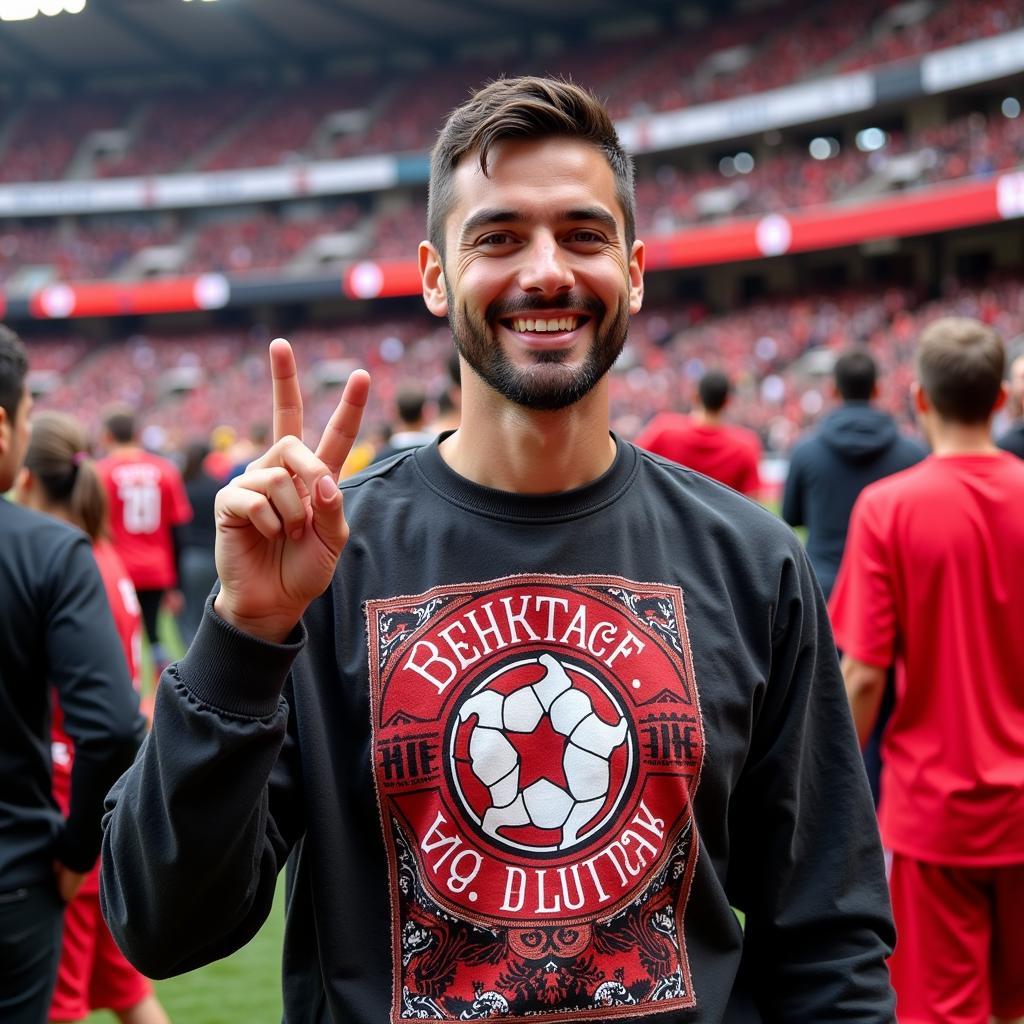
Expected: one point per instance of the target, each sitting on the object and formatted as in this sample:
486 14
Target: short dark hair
120 424
713 390
856 374
409 401
13 371
960 365
523 108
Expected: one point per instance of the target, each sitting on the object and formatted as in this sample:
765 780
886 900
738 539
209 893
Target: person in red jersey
147 504
931 581
705 442
58 479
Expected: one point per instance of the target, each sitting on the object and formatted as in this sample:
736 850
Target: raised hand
281 524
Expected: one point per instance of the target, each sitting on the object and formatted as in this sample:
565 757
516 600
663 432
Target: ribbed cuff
235 672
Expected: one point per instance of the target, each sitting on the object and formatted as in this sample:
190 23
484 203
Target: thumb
329 514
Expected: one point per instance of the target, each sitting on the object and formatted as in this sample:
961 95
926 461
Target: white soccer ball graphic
577 748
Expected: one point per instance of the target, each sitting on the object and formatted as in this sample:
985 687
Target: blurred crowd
669 198
265 124
212 385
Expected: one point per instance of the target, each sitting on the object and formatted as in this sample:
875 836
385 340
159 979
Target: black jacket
852 447
56 629
1013 440
525 754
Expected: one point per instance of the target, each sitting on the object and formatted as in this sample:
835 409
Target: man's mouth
544 324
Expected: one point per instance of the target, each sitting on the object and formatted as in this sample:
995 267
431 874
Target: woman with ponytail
60 479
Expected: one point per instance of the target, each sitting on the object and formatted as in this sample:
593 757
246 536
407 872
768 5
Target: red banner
938 208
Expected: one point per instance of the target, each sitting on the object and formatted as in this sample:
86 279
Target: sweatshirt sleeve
199 827
100 706
807 867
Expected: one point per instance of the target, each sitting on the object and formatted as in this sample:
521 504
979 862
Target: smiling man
559 707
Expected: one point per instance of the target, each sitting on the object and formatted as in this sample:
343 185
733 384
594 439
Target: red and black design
537 743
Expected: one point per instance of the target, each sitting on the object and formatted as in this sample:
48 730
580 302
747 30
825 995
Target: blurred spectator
410 423
56 631
59 480
851 448
705 442
930 581
148 505
1013 439
449 401
198 571
252 446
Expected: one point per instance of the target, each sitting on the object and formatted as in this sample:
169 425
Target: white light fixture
18 10
871 139
23 10
1011 107
823 148
743 162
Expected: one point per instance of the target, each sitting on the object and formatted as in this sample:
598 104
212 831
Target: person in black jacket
197 571
1012 439
56 629
478 739
854 446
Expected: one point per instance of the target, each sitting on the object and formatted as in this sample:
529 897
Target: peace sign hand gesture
281 524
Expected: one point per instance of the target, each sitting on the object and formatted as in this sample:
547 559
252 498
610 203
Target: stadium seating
185 384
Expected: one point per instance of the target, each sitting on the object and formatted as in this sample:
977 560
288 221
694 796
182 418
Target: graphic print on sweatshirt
537 742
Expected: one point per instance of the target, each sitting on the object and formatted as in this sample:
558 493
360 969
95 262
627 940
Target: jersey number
141 502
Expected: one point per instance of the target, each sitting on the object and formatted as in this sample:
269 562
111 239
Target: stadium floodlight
823 148
1011 107
743 162
18 10
727 167
871 139
24 10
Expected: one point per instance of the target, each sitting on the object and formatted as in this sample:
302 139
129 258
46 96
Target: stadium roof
211 38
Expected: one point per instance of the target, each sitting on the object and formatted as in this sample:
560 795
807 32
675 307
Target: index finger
287 395
343 426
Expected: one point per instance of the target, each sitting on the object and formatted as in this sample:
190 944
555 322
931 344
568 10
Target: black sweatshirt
525 755
56 629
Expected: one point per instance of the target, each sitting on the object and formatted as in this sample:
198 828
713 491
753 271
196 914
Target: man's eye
496 238
586 236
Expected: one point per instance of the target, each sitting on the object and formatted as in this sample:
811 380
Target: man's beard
549 384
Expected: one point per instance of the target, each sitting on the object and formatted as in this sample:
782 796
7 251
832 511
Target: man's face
14 436
537 283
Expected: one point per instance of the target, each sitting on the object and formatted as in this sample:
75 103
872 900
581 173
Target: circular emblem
540 754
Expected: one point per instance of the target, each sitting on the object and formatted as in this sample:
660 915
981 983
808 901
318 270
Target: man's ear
435 295
636 277
1004 394
920 397
5 430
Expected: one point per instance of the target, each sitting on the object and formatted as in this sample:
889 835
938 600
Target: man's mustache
503 308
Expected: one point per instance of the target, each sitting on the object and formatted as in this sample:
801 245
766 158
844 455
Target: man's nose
546 267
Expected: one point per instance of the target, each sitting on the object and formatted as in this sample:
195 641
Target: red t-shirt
128 620
726 453
147 498
933 579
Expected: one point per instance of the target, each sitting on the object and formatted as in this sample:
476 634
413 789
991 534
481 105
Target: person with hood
705 442
853 446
